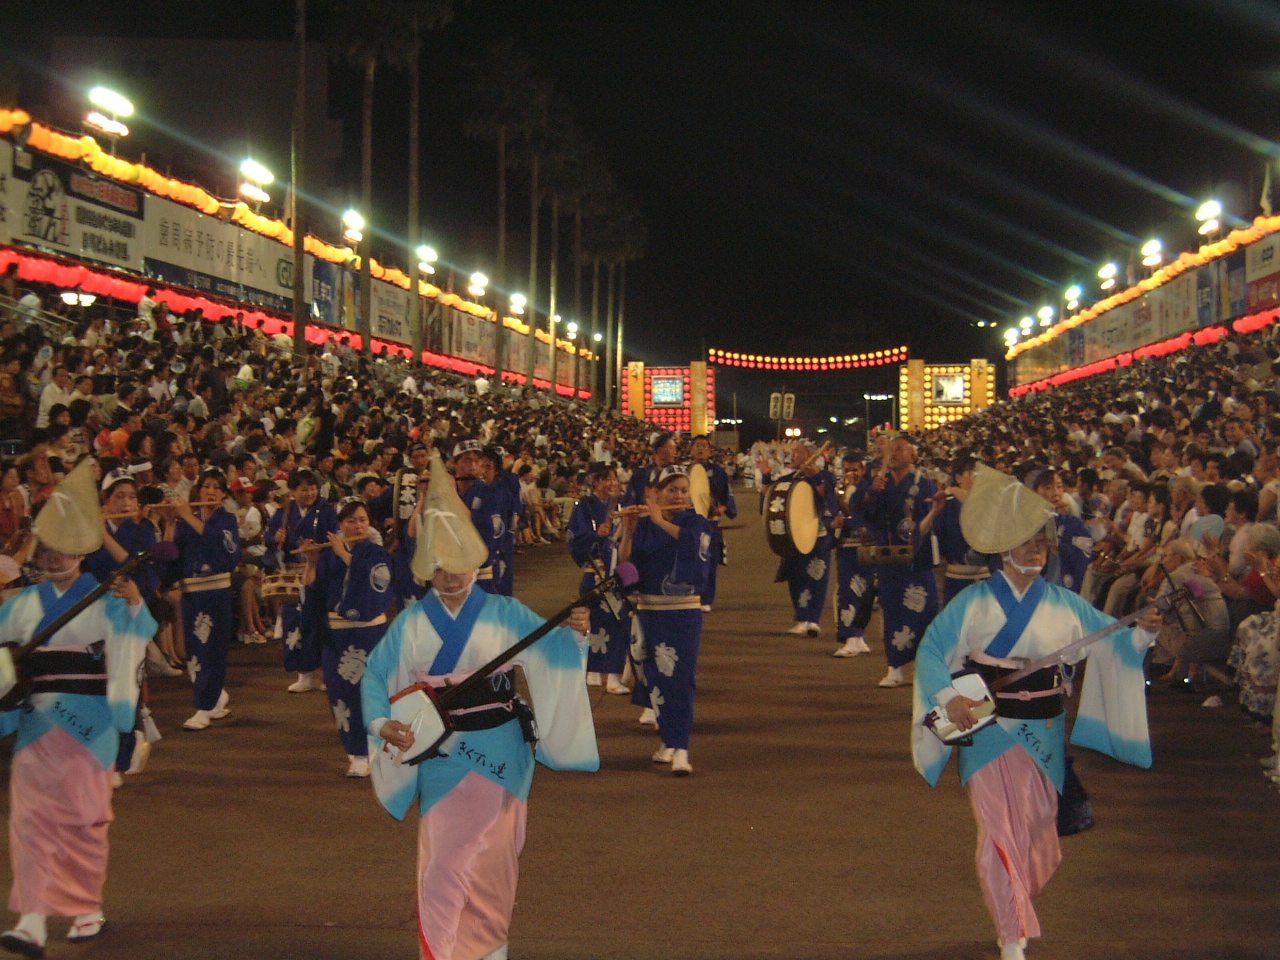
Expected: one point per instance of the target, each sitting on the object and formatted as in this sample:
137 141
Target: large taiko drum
283 587
700 490
791 520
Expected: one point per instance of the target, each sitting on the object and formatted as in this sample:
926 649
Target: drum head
700 489
418 711
802 517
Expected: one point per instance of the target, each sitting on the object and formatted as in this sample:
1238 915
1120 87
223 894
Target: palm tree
374 31
499 110
297 140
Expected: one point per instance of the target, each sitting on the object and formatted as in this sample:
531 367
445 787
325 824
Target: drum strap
1017 613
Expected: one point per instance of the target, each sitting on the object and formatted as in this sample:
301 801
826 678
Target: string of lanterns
846 361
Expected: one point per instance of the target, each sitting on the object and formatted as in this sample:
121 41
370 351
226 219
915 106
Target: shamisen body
1014 768
472 795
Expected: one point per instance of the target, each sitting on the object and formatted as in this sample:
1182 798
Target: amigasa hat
71 519
447 539
1000 513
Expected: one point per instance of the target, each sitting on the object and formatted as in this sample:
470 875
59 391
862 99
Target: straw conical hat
447 539
1000 513
71 520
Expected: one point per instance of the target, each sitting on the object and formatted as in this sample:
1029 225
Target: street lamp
115 106
478 284
1208 215
427 257
571 331
354 226
1151 253
518 303
1072 295
1108 275
1045 314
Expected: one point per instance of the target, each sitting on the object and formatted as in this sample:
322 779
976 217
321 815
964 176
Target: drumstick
327 544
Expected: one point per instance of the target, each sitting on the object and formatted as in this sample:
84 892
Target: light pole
353 234
597 338
116 106
571 331
427 258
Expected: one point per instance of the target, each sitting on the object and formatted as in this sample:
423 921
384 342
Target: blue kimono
964 564
491 513
667 631
908 593
208 614
1070 561
721 496
1112 718
855 588
101 565
636 486
301 641
109 637
347 605
808 574
591 550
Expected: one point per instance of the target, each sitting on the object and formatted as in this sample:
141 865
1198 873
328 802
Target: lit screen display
948 388
668 391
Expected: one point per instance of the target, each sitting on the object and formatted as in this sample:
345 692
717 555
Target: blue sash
1017 613
454 633
55 606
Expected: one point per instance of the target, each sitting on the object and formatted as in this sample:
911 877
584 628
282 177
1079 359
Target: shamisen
1014 768
472 787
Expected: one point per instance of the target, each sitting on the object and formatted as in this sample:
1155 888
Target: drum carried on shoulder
791 522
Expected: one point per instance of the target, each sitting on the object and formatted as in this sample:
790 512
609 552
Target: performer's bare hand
605 529
580 620
397 734
879 482
126 589
1151 620
960 712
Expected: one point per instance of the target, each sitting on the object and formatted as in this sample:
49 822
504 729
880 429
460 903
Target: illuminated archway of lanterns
846 361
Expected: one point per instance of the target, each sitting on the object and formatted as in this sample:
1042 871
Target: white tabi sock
34 924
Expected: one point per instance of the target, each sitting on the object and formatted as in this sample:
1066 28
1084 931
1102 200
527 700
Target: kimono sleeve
127 636
936 659
555 669
693 551
1113 704
583 539
366 584
395 786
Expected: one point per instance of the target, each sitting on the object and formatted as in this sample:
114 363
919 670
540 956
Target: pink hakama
1016 808
469 847
59 811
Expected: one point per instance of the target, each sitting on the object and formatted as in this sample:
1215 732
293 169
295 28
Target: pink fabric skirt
59 811
1016 808
469 847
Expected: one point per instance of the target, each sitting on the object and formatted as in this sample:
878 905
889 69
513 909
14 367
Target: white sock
34 924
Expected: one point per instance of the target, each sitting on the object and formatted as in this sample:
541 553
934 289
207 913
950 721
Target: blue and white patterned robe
1113 712
610 635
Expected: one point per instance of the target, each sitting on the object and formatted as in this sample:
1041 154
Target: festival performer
1072 549
855 587
664 455
964 564
347 589
486 505
670 544
722 506
808 574
122 537
306 516
1014 768
593 536
473 795
208 543
85 693
497 475
899 499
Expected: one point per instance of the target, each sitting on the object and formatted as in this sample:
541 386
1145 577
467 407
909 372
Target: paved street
803 833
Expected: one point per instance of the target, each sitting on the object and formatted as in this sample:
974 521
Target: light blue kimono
1113 712
487 624
94 721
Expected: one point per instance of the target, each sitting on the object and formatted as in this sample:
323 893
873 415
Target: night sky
836 177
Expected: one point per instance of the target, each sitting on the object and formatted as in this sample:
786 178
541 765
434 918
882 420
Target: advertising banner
517 351
1207 294
73 211
326 291
1262 273
389 318
8 193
